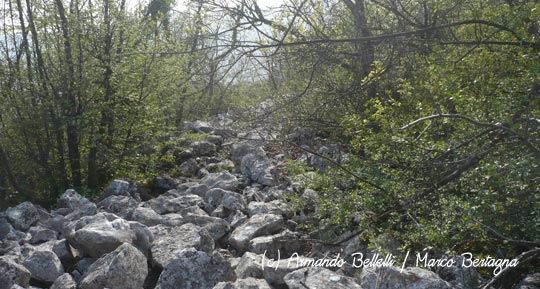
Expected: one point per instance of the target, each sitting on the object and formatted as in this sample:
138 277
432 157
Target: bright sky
179 3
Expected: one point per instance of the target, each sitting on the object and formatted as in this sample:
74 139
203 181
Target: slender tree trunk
73 110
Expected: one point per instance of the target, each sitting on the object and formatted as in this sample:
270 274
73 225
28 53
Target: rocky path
224 224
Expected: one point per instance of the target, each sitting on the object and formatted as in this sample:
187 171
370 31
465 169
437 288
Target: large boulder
119 205
44 266
257 225
23 216
216 227
40 234
393 278
172 204
171 239
103 233
258 167
192 269
73 204
230 200
146 216
239 150
13 274
249 266
317 277
125 267
281 245
224 180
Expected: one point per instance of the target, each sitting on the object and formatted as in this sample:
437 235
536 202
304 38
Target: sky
179 3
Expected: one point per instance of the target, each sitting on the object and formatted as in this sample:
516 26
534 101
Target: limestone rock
146 216
216 227
44 266
23 216
65 281
13 274
225 181
317 277
119 205
125 267
192 269
171 239
257 225
103 233
257 167
40 234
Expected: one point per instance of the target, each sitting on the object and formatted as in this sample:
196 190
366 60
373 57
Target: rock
164 204
192 269
197 127
215 139
203 148
23 216
317 277
5 229
275 271
188 168
63 250
171 239
531 281
276 207
161 184
234 202
214 198
257 167
65 281
257 225
216 227
124 267
81 267
459 276
9 247
181 156
103 233
248 283
44 266
197 189
119 205
230 200
236 219
410 278
281 245
13 274
226 165
239 150
274 193
72 202
117 188
224 181
40 235
249 266
146 216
